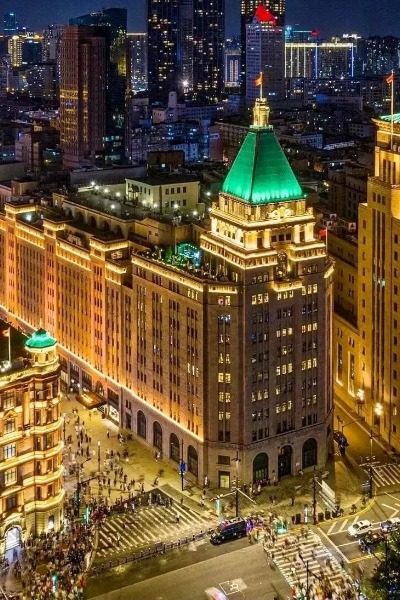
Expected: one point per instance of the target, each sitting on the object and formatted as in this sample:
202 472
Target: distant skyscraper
83 64
247 10
51 42
232 59
319 60
114 22
162 29
137 62
208 48
10 26
265 54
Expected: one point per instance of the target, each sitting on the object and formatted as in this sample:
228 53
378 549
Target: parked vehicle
370 540
359 528
231 529
390 524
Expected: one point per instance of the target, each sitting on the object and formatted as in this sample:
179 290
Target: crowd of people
52 566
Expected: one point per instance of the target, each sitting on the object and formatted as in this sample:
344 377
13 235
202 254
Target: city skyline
362 17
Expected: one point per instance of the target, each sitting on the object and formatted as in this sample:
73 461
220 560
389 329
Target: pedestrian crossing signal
86 515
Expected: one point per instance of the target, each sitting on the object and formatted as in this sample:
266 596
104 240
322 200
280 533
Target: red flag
323 233
390 78
6 332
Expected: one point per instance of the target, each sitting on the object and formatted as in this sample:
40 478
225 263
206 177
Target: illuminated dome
40 340
261 173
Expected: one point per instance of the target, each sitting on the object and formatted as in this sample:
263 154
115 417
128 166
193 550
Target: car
359 528
390 524
214 593
231 529
340 438
370 540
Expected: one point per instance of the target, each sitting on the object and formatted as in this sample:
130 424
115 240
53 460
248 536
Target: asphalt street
383 507
242 574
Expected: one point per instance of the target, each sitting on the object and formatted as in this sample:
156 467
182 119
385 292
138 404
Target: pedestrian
292 500
177 519
108 433
118 539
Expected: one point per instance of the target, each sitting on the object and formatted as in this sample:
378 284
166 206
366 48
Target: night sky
335 16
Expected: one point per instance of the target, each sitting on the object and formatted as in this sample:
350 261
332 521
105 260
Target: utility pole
237 460
314 504
370 470
182 469
307 582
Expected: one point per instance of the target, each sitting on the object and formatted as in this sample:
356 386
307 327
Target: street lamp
237 461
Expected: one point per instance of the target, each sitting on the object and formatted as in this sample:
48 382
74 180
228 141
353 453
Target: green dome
261 173
40 340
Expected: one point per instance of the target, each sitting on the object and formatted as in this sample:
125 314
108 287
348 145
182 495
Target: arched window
193 461
157 435
174 452
260 467
310 453
141 425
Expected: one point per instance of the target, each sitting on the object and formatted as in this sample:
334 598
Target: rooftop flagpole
392 111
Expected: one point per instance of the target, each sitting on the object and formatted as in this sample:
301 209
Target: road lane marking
336 548
344 525
391 496
347 544
332 527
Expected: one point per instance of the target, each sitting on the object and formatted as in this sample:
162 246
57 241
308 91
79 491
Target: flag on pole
390 78
6 332
259 80
323 233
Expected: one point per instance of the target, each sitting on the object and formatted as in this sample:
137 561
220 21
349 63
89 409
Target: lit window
227 377
9 451
10 476
220 377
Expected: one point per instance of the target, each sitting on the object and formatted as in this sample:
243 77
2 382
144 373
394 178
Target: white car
390 524
215 594
359 528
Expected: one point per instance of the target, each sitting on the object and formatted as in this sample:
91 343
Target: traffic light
86 515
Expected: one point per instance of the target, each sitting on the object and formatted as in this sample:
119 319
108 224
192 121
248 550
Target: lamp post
237 461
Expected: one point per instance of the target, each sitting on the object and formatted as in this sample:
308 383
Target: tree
385 583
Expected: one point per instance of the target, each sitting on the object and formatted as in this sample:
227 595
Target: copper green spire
261 173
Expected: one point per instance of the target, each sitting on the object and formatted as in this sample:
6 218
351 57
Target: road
242 573
383 507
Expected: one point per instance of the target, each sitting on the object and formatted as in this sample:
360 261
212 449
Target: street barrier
147 553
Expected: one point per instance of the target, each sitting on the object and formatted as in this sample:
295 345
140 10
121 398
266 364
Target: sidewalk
343 475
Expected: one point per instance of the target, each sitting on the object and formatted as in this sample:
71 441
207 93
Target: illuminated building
137 62
204 343
208 48
366 363
247 10
112 23
162 39
82 97
10 24
232 60
185 48
319 60
265 53
31 486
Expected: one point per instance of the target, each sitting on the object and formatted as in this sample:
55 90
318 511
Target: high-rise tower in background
137 62
208 48
247 11
185 47
114 24
83 76
265 54
10 24
162 29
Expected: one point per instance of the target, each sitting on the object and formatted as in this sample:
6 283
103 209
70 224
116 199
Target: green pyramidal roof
40 340
260 173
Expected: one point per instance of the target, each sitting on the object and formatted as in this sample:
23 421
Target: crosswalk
124 533
314 556
342 525
386 475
